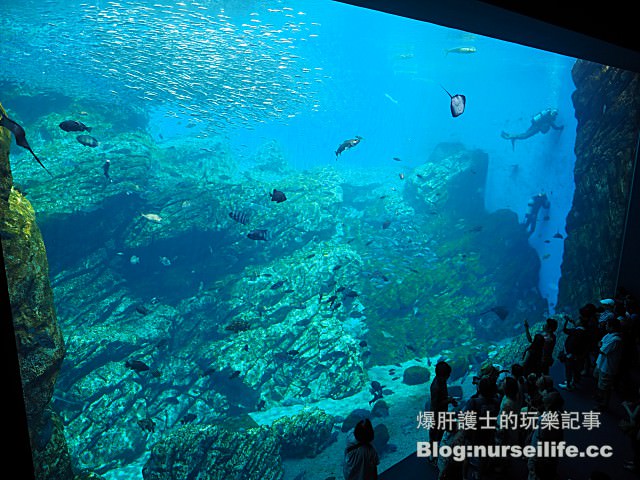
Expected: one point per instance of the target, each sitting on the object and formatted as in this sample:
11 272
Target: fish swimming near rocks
501 311
188 418
142 310
74 126
558 235
277 196
466 50
376 389
277 285
147 424
259 234
347 144
152 217
136 366
87 141
20 136
240 217
458 102
105 169
332 299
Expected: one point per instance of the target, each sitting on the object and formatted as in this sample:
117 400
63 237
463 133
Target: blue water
304 76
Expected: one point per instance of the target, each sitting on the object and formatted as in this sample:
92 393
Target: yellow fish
152 217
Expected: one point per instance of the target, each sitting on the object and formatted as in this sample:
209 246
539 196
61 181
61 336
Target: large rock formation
39 339
215 453
607 106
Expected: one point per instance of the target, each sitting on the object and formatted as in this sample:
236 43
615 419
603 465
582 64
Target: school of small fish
241 65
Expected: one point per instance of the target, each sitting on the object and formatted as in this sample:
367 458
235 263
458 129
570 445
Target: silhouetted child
360 457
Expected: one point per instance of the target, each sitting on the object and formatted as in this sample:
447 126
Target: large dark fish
259 234
277 285
20 136
458 103
240 217
136 365
376 390
73 126
500 311
347 144
188 418
87 140
277 196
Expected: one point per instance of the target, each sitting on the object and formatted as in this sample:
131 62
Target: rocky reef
179 325
38 335
215 453
607 106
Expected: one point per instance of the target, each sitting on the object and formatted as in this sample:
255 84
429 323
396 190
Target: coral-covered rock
607 105
38 336
305 434
214 453
416 375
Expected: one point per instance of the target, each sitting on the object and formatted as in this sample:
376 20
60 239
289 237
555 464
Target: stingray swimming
458 103
20 136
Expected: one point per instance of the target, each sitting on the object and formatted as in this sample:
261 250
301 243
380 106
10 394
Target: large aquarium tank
263 221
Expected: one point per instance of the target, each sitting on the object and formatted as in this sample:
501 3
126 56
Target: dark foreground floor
414 468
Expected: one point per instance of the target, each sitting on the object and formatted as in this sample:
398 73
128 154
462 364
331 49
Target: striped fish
240 217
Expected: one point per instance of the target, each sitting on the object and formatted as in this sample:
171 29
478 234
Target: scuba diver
540 123
535 204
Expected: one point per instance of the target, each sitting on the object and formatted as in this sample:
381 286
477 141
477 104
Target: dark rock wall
38 336
607 106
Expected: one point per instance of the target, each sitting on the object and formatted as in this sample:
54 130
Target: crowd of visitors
601 343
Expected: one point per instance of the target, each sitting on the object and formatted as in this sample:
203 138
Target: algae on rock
38 336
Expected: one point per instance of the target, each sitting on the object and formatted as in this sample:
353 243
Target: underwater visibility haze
266 219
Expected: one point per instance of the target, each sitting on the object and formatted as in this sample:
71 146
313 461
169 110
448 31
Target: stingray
558 235
500 311
20 136
457 103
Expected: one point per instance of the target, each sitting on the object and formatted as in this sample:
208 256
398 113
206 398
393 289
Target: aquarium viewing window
259 223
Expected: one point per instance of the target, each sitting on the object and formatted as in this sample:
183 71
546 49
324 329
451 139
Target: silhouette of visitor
360 457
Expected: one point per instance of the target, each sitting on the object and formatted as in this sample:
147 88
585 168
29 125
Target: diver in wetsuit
540 123
535 204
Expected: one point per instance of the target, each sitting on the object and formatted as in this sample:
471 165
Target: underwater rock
380 409
38 335
416 375
6 178
353 418
451 181
473 259
607 108
304 435
199 451
381 437
88 476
